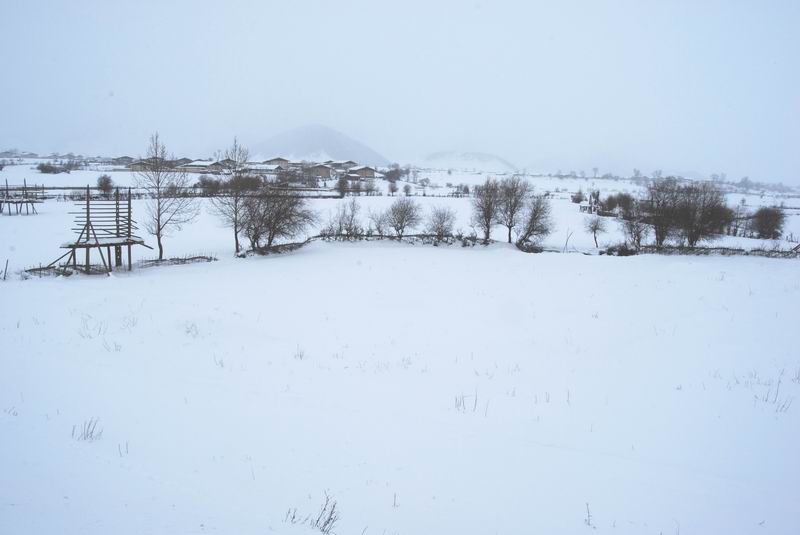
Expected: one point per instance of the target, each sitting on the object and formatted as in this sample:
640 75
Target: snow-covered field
424 389
28 241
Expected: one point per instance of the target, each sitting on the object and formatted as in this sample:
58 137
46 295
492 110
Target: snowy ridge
317 143
468 161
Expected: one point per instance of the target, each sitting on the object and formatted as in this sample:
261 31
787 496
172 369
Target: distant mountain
469 161
316 143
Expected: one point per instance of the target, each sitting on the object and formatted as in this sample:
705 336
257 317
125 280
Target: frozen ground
427 390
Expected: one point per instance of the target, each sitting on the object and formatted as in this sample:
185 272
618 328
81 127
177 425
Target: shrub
768 222
105 184
403 214
537 223
440 222
578 197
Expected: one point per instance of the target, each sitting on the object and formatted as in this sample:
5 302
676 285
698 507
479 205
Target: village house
263 170
122 160
283 162
362 172
201 166
341 165
144 164
181 161
320 171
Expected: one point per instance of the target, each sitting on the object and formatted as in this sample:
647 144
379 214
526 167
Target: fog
689 87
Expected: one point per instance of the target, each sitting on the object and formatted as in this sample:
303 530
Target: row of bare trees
401 217
685 213
253 209
244 203
511 203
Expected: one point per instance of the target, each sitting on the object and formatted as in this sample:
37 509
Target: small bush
620 250
50 169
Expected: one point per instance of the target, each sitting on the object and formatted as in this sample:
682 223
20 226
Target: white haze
688 87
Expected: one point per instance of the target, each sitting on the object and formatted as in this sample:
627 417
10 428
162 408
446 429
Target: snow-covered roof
263 167
198 163
361 168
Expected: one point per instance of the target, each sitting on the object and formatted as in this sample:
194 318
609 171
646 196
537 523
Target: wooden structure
13 200
103 223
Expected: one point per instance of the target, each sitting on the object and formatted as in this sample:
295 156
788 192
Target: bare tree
392 187
379 222
662 200
595 225
274 213
234 159
407 190
345 221
440 222
634 225
701 212
537 222
485 205
514 193
229 206
168 205
403 214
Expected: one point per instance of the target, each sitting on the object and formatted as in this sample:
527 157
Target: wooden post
88 226
117 248
129 229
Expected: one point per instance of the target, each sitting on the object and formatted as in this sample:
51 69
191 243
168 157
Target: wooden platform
102 225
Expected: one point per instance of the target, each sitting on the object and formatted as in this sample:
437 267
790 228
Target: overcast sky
684 86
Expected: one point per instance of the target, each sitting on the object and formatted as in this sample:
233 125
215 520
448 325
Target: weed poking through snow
324 521
88 431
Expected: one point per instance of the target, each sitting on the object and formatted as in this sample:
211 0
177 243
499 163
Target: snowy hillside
316 143
467 161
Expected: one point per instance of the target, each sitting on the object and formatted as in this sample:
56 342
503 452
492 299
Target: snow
468 161
316 143
36 239
427 389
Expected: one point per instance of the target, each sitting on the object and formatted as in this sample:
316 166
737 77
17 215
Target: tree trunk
236 237
509 234
160 247
595 240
